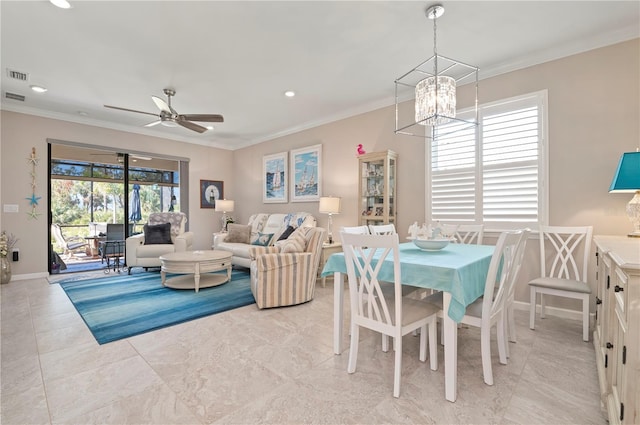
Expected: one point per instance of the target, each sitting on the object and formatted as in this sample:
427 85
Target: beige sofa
262 224
139 254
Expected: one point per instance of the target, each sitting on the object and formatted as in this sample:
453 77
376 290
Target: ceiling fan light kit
168 116
62 4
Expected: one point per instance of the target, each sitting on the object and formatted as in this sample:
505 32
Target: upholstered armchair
145 249
285 274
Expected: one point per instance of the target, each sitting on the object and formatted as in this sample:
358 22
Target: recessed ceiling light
38 89
62 4
210 127
289 93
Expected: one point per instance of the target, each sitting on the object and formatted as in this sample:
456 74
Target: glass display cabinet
377 187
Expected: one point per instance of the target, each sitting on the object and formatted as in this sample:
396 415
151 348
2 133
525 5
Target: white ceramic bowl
431 244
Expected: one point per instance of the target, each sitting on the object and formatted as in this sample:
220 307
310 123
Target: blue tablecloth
459 269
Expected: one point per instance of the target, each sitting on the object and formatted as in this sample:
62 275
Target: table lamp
224 205
627 180
329 205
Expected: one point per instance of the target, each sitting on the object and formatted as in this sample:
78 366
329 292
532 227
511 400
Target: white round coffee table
195 263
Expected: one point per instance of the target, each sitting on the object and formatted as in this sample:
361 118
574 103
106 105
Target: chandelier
434 87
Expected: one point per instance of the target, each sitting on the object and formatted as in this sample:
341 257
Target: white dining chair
390 229
489 310
382 229
372 308
358 230
564 260
386 286
464 233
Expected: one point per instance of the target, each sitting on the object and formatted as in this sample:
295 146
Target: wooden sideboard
617 329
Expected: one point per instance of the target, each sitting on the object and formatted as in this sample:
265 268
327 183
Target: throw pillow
155 234
238 233
286 233
262 239
297 242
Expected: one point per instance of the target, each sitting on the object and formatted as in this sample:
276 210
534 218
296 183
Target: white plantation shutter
491 174
453 176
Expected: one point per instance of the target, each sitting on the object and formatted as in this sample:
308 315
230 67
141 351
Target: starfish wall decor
33 199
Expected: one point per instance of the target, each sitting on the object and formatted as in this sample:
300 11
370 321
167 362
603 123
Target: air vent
14 96
17 75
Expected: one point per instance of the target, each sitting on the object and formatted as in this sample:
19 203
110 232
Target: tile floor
273 366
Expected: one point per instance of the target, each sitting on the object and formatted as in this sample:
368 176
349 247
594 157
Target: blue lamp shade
627 177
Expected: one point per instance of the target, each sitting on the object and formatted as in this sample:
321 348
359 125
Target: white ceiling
237 58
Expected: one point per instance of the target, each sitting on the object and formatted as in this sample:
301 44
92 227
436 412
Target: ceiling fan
170 118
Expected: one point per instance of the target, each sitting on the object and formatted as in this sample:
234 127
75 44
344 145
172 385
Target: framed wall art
275 175
306 174
210 191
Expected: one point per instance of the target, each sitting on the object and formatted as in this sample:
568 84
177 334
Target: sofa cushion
157 234
262 239
300 219
274 223
257 222
177 220
154 251
238 233
289 230
297 242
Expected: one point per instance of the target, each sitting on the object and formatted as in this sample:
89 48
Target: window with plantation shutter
492 173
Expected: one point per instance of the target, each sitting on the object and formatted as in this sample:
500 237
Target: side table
327 250
93 245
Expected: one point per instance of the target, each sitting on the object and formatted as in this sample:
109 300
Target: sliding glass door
91 189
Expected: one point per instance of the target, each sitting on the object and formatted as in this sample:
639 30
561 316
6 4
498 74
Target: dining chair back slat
511 288
382 229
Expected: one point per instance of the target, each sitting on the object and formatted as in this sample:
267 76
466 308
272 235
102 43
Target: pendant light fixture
434 84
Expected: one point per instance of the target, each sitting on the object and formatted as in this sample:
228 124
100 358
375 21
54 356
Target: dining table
458 270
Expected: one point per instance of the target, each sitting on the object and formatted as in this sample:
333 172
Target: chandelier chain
435 48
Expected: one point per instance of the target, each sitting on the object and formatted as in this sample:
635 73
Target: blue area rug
122 306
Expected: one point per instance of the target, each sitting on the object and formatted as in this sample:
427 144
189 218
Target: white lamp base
633 212
224 223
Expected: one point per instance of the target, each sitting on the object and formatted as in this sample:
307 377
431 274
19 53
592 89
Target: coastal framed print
210 190
306 174
275 175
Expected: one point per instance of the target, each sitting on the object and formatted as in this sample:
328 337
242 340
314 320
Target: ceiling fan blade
130 110
191 126
151 124
161 104
203 117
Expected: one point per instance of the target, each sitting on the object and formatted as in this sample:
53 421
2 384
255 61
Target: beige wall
339 140
20 132
594 116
